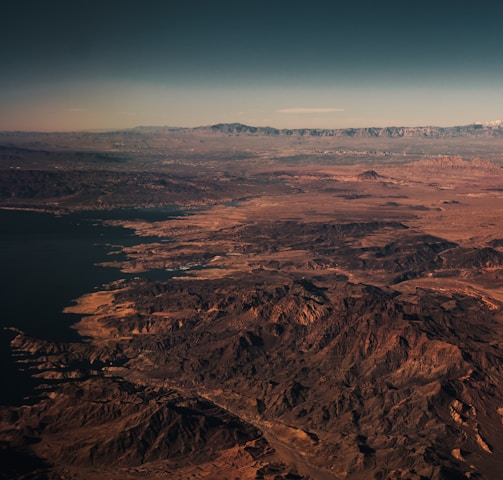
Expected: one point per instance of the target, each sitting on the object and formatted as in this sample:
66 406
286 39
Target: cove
47 262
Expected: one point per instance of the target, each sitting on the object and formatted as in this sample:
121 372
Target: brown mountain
475 129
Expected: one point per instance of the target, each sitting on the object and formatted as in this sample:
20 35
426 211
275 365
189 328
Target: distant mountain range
480 129
477 129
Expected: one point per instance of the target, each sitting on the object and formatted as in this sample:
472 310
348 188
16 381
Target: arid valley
334 308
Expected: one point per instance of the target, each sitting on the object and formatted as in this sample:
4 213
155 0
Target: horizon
328 65
490 123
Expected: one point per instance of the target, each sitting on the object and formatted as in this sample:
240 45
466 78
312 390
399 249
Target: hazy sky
71 65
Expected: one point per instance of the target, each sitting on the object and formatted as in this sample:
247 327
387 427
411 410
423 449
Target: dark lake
46 262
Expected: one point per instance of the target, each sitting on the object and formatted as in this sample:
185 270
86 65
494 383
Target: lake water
46 262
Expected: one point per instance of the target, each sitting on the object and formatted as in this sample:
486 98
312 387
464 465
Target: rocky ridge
475 129
300 374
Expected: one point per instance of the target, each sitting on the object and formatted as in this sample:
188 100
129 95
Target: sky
89 65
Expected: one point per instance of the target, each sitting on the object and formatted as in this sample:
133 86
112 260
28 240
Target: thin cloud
77 109
309 110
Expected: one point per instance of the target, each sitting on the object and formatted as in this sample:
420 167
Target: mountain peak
493 123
